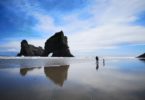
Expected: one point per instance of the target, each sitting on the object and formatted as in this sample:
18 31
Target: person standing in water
97 62
103 62
97 58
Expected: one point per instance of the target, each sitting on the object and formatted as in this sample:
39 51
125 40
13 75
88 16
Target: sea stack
29 50
57 45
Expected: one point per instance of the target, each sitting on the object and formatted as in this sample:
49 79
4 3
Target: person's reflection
103 62
97 65
57 74
23 71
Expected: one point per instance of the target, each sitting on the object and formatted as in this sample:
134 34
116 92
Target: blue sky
93 27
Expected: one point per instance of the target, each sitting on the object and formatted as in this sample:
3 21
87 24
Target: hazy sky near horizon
93 27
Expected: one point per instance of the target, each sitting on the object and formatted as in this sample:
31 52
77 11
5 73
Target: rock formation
29 50
141 56
57 45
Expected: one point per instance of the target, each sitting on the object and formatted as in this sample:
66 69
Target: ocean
77 78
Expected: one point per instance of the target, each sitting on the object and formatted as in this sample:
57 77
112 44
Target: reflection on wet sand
57 74
103 62
97 65
143 60
120 79
23 71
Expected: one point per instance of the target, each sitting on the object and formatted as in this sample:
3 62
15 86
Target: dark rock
29 50
57 45
141 56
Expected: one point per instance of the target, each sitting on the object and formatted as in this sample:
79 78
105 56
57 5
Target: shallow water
71 79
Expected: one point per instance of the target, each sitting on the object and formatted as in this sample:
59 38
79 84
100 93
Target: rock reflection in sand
58 74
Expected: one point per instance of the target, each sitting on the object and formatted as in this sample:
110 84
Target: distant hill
141 56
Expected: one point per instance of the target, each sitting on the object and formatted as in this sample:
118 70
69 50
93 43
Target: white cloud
118 11
106 37
112 26
12 46
45 23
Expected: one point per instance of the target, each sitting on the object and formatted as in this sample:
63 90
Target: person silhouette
97 58
103 62
97 62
